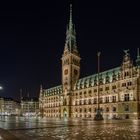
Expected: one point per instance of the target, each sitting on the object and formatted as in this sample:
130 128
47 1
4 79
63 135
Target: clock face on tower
66 71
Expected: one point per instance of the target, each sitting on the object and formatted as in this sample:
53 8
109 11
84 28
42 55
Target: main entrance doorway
65 114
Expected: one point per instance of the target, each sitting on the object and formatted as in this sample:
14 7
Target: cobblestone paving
83 130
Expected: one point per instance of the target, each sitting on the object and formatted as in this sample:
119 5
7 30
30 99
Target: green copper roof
53 91
89 80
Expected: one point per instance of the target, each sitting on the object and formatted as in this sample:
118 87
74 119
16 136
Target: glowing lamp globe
1 87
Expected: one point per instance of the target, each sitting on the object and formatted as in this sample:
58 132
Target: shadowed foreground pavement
6 135
76 129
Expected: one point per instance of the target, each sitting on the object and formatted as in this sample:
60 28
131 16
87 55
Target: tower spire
41 90
41 87
21 96
70 21
70 44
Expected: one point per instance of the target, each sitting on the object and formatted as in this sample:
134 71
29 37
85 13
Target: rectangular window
123 84
113 98
89 101
101 89
89 91
126 97
95 90
107 99
95 100
114 87
100 100
107 88
129 83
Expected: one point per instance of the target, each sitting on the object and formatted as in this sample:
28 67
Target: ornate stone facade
119 88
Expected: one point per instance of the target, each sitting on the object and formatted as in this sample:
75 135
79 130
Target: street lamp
98 115
1 88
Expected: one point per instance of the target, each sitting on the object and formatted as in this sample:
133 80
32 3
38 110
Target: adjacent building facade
116 91
8 106
29 106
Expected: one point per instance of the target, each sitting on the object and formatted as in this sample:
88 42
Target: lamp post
1 88
98 115
42 110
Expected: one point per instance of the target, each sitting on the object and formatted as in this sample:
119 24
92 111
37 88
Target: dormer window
107 78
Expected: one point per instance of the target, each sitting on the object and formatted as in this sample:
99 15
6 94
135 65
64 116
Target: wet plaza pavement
75 129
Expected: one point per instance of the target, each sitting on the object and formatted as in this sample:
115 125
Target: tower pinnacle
138 58
138 54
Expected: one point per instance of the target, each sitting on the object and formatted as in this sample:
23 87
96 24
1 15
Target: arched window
126 108
85 102
89 109
114 109
85 110
89 101
107 109
80 102
100 99
95 100
101 109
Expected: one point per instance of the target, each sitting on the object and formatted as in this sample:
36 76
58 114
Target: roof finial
138 53
28 95
21 97
126 52
70 22
41 87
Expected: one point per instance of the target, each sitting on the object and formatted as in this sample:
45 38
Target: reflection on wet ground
74 129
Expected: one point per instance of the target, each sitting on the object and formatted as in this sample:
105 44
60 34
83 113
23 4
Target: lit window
123 84
107 109
126 97
114 87
114 109
107 88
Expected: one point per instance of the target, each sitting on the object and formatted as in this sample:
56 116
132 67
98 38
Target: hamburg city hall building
115 91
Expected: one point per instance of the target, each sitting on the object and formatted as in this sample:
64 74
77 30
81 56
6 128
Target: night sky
32 38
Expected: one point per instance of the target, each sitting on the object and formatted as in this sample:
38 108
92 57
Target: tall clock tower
70 68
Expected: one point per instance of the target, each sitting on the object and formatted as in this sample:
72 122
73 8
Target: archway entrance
65 114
